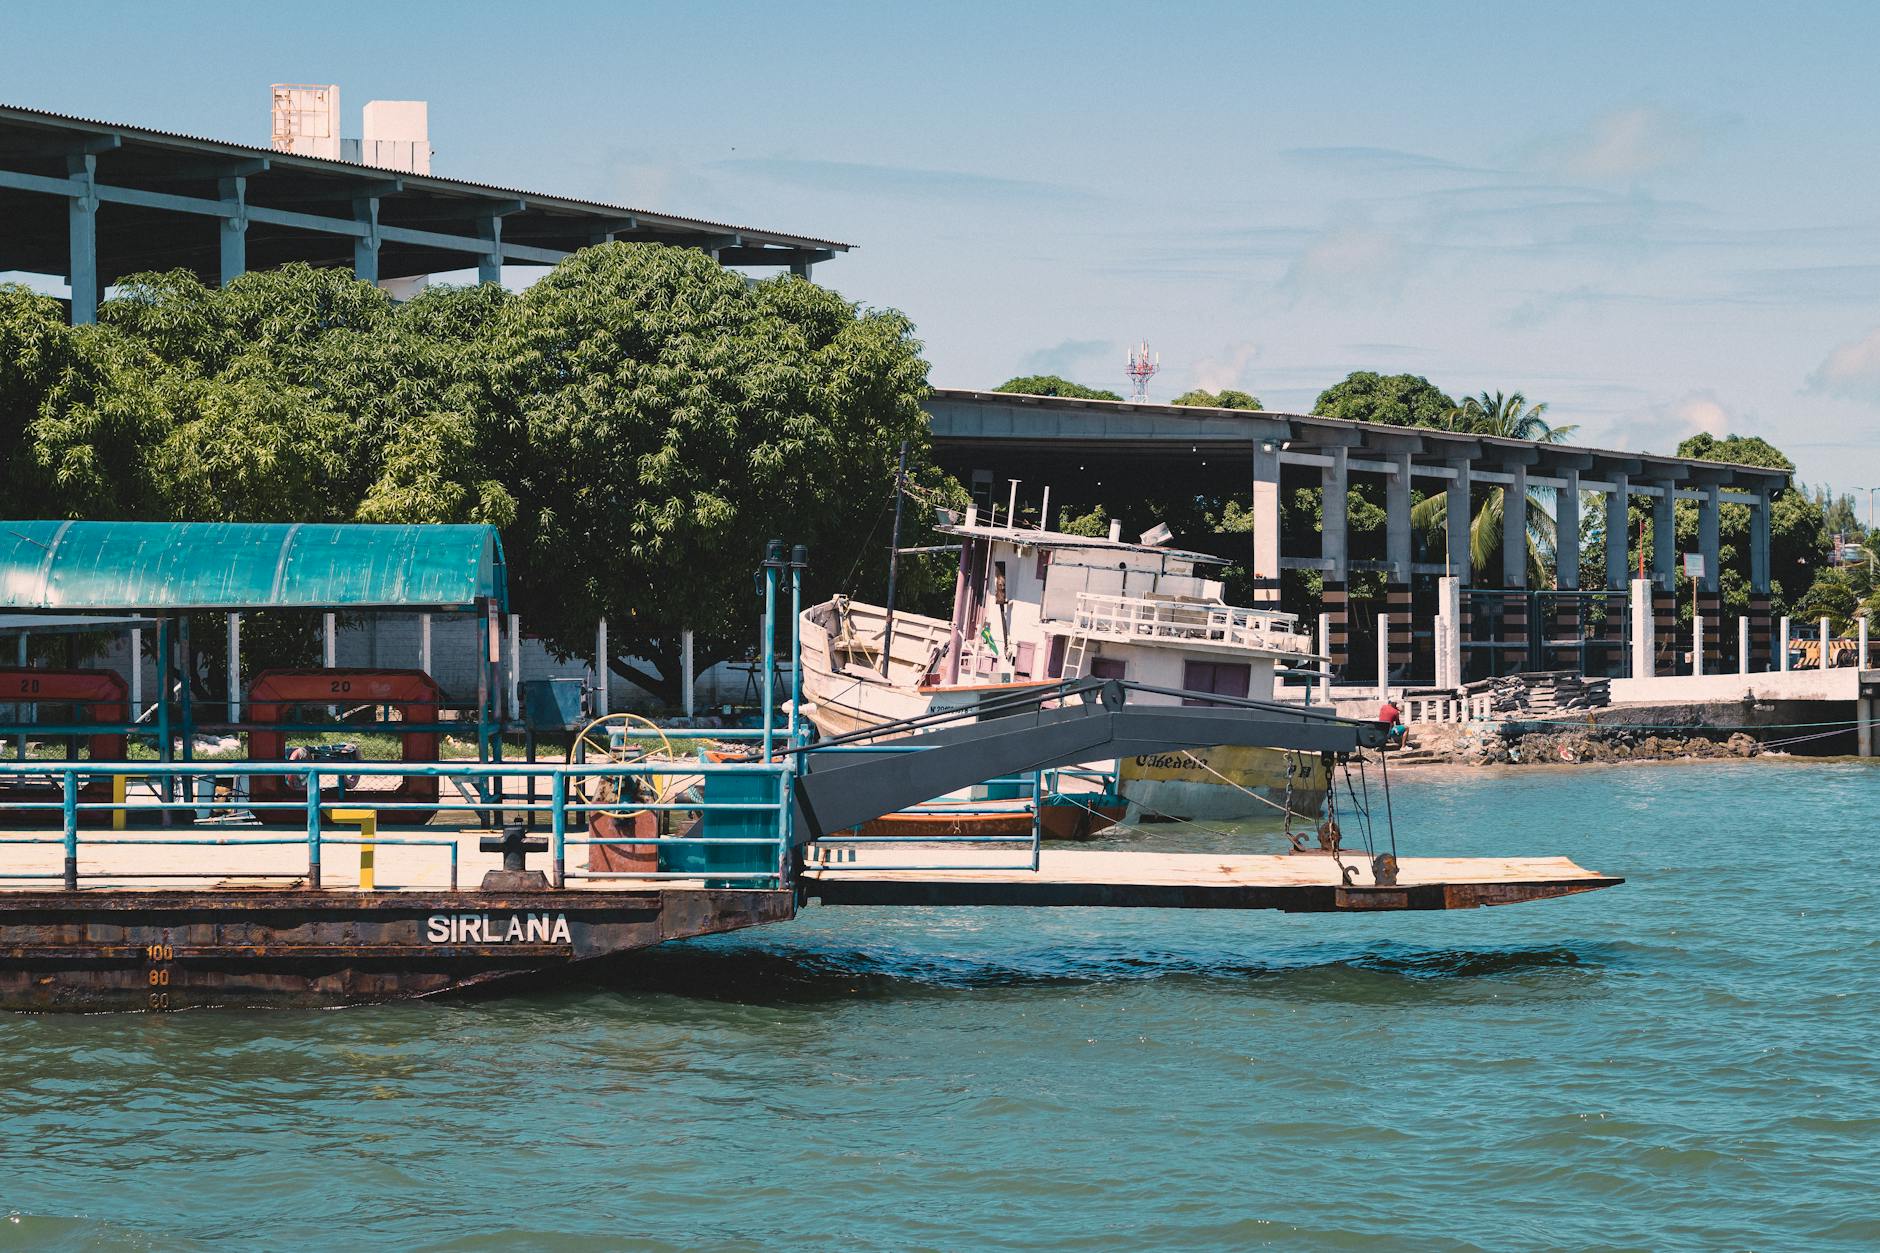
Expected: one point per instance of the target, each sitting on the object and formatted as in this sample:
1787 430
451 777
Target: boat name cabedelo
483 929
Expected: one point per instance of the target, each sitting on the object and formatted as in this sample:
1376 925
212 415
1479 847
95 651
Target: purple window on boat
1222 678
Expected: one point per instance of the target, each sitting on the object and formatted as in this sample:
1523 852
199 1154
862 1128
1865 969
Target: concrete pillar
1618 532
234 229
1457 517
1709 546
1665 535
329 640
1742 645
490 263
1697 644
1762 644
82 229
1865 659
1398 549
602 671
1865 709
234 667
1383 656
1514 518
1266 516
1825 636
1335 481
424 642
515 666
688 677
1643 644
1325 658
1782 645
1567 533
1449 647
366 247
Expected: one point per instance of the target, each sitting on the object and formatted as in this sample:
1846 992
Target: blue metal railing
760 824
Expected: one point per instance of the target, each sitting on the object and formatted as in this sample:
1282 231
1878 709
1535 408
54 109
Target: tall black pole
894 558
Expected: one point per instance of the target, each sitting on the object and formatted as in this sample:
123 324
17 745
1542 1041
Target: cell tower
1142 367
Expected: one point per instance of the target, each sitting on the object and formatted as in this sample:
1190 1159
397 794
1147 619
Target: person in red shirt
1392 717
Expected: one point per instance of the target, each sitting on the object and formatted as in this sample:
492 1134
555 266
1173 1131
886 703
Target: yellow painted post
367 820
120 787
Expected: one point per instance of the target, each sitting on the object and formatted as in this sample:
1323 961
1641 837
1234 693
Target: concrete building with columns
1505 625
90 202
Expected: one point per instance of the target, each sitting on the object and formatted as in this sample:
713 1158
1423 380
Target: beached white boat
1032 607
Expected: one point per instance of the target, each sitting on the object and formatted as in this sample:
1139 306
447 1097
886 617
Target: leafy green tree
1798 540
1507 417
1393 399
1226 398
1052 385
660 419
35 349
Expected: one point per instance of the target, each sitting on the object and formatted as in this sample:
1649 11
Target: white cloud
1624 145
1226 368
1851 370
1661 427
1349 264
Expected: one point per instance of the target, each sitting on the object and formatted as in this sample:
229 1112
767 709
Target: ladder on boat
1074 657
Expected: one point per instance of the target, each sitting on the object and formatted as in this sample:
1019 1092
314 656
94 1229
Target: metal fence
751 812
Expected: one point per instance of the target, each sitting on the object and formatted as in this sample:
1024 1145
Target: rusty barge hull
168 950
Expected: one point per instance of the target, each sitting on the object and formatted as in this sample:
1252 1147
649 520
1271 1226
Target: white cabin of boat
1032 606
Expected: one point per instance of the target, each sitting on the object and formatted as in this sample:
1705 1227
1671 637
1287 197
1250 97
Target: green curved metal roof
247 565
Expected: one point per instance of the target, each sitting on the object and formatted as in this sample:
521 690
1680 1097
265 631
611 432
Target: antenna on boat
894 557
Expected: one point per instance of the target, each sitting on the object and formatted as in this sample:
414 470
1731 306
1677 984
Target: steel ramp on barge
1305 883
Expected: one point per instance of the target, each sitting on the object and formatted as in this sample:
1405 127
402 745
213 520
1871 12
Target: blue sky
1658 218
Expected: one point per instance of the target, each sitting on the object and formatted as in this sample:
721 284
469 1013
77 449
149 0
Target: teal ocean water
1691 1060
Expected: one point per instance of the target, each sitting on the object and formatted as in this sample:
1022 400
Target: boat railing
1149 619
744 811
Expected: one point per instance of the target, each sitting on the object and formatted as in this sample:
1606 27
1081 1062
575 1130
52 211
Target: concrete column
688 677
1266 515
490 263
1709 546
329 640
1618 532
1865 709
1865 659
1825 636
424 642
82 227
1759 545
1782 645
515 665
234 229
234 667
1449 612
1335 481
1644 645
1697 644
366 247
1567 533
603 674
1514 509
1457 517
1383 656
1325 659
800 268
1742 645
1665 535
1397 546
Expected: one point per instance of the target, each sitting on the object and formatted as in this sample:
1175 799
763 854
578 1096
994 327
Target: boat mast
894 558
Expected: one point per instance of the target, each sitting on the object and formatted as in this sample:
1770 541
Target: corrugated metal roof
423 181
247 565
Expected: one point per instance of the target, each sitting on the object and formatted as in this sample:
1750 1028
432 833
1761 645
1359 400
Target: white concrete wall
1839 684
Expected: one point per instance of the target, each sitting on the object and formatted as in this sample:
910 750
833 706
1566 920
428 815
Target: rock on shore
1485 745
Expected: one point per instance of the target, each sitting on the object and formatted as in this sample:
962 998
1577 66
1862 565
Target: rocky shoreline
1477 744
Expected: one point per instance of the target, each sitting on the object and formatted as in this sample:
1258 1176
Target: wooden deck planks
1306 883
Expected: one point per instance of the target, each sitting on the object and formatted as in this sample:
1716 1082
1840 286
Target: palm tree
1507 417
